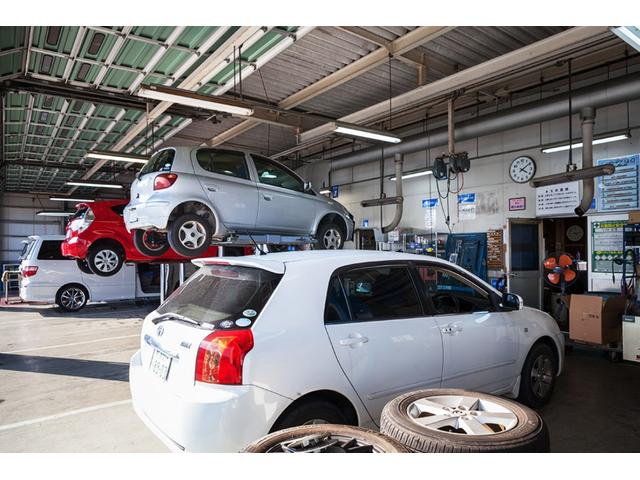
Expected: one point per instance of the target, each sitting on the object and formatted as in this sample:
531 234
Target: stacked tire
434 420
478 423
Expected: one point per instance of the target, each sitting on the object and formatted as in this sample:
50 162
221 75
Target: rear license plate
160 364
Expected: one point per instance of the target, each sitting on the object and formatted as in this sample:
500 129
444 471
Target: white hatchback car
249 345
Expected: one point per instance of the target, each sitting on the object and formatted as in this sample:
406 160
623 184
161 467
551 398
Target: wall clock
522 169
575 233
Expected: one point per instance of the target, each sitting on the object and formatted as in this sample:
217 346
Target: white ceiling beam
538 53
401 45
221 55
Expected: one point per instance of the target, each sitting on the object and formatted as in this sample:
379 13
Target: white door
284 205
380 335
224 176
121 286
480 343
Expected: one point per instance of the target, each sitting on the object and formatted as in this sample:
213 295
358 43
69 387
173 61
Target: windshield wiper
176 316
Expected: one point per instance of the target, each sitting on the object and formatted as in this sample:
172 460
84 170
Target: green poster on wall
606 244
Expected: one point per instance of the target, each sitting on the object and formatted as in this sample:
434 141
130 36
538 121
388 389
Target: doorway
525 276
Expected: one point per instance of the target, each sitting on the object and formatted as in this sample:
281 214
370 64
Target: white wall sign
558 199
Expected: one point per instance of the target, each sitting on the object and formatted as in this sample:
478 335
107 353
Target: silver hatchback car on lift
199 194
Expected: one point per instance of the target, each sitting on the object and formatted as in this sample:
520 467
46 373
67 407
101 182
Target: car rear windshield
222 292
160 162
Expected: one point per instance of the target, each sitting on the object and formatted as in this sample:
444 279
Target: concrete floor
63 388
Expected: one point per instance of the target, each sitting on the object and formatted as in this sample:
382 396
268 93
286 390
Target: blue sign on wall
365 222
430 202
334 191
467 198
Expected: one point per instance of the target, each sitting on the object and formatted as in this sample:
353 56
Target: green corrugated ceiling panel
12 129
78 107
135 54
97 124
194 37
80 73
102 42
16 99
118 78
16 115
132 116
89 137
106 111
62 42
43 102
230 31
10 63
46 64
171 61
11 37
153 33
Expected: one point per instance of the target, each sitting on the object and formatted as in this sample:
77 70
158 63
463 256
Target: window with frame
118 210
223 162
160 162
336 309
451 293
383 292
272 174
51 250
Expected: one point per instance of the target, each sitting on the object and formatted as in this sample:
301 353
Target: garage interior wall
18 220
488 177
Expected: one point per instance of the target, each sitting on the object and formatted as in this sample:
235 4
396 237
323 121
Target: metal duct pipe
399 160
588 117
603 94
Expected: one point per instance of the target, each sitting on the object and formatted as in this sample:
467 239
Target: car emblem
249 313
226 324
160 331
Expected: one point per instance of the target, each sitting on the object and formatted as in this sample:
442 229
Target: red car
97 238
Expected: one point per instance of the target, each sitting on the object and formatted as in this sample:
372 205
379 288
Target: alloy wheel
542 375
192 234
323 443
331 239
153 240
461 414
72 298
106 260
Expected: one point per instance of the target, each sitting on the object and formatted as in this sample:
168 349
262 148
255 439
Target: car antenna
262 252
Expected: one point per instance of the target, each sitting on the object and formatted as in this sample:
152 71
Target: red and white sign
517 204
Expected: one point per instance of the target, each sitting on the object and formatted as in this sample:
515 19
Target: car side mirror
511 301
307 186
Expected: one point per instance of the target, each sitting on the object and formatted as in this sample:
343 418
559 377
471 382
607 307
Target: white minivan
48 276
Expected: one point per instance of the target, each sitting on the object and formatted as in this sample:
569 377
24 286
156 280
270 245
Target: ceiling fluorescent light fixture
191 99
80 183
44 213
361 132
630 35
420 173
597 141
116 156
326 191
64 199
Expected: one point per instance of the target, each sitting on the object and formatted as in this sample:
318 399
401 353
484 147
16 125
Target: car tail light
164 180
88 218
29 271
221 355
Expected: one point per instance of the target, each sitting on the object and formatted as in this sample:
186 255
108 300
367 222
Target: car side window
118 209
223 162
270 173
451 293
51 250
381 293
336 309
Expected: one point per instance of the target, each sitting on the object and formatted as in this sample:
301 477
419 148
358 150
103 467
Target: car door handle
268 198
353 340
212 188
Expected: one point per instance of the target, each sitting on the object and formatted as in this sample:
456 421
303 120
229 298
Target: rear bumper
147 215
75 247
202 418
34 293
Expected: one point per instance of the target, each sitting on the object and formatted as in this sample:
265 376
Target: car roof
326 259
46 237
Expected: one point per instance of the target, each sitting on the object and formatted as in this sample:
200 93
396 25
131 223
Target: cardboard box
596 318
634 217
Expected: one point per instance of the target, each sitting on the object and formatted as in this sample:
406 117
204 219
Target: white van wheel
72 298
